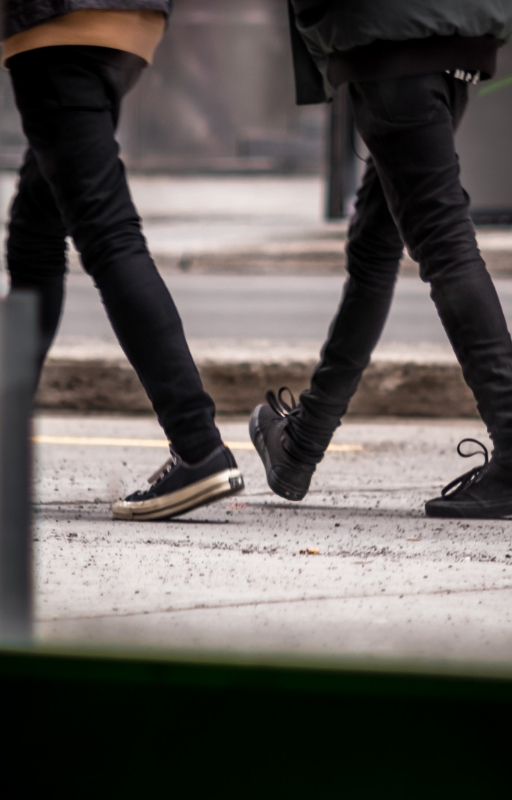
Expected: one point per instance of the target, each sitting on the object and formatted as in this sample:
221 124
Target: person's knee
111 246
31 260
373 269
451 267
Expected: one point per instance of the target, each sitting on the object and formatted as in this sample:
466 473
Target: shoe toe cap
122 509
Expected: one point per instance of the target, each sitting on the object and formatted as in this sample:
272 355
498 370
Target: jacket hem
21 15
390 59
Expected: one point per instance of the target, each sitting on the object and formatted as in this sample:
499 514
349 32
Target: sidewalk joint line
283 601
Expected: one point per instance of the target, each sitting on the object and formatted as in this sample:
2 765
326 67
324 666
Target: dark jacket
20 15
336 40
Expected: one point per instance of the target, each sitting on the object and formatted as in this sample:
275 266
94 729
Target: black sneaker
482 493
178 487
287 475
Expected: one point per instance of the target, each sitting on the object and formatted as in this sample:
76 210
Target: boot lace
469 478
279 405
164 470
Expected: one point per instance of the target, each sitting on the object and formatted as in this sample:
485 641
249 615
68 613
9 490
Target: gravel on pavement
356 569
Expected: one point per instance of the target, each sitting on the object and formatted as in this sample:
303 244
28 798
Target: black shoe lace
164 470
469 478
294 445
279 405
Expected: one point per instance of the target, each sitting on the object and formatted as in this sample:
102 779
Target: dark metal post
341 159
17 381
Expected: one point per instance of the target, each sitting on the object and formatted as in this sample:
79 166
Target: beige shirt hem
138 32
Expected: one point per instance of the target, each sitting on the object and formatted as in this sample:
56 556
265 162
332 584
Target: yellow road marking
101 441
345 448
104 441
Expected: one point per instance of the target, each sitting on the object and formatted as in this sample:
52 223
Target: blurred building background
220 99
220 95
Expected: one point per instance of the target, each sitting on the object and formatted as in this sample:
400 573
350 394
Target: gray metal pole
18 338
341 159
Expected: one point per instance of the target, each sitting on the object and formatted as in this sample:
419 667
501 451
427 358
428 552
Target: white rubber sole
230 481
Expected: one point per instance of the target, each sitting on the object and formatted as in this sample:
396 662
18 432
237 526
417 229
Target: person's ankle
194 455
301 446
503 462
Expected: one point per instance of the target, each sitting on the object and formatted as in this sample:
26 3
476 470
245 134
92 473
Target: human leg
291 441
69 99
36 249
374 250
408 126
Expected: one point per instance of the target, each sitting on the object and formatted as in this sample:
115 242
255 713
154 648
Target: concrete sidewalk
380 579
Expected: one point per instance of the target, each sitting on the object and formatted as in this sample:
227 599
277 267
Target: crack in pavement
276 601
346 511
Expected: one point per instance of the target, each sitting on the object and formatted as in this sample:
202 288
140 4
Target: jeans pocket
413 99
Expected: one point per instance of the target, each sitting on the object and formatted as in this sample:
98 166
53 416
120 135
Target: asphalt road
384 581
264 307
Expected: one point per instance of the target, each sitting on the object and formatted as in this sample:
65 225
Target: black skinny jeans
73 182
411 193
